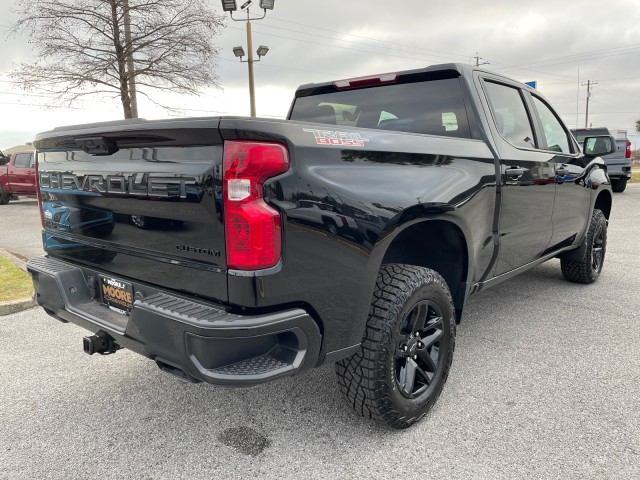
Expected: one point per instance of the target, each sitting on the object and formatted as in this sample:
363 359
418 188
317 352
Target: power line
613 89
367 38
421 60
450 54
39 105
266 64
576 55
349 41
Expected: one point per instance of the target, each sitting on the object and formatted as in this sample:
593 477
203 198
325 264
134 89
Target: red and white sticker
332 137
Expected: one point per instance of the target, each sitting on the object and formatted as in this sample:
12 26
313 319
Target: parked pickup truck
455 178
17 175
618 162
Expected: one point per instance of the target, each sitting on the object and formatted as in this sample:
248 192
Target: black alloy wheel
598 249
418 357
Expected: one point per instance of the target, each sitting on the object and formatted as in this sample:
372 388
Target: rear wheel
331 226
619 185
587 269
403 363
4 197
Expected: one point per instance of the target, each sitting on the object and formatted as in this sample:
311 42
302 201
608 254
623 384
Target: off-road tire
619 185
4 197
587 270
370 379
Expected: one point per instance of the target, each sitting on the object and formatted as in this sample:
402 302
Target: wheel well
603 202
438 245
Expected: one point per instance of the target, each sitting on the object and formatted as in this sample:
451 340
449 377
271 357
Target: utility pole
478 58
586 115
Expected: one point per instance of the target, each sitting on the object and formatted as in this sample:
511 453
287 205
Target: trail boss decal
332 137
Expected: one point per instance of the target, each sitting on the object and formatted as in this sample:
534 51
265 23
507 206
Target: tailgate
619 156
138 200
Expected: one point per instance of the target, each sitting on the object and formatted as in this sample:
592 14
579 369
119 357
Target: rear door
527 177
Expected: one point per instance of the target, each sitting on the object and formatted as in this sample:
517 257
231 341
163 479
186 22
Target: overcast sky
561 45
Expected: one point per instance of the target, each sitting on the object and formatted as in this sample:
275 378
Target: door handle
562 170
514 172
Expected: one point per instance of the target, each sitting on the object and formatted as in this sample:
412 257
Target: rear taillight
38 192
628 152
252 228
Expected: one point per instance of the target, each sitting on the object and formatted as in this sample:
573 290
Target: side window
22 160
510 114
555 134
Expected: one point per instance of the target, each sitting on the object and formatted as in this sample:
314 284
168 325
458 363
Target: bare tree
120 47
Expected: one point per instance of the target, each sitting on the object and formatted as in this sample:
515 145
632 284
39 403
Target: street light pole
231 6
252 90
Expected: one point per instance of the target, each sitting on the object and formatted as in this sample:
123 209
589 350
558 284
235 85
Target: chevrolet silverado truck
449 179
17 175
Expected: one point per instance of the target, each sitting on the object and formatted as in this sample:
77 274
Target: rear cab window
581 134
434 107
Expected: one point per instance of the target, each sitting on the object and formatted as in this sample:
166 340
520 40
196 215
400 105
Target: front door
573 198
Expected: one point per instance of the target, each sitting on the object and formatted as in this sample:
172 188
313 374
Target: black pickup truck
352 232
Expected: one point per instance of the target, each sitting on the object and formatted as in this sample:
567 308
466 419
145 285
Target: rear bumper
196 340
619 171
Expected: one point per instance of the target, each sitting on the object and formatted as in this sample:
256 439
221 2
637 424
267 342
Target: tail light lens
628 152
253 233
38 192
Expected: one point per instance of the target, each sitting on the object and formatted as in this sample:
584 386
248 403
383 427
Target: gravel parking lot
545 383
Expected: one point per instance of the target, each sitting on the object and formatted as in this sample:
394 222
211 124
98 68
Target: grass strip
14 283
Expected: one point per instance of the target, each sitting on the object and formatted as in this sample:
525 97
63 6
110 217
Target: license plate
117 295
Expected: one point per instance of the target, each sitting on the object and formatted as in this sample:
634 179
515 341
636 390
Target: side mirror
3 159
599 145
